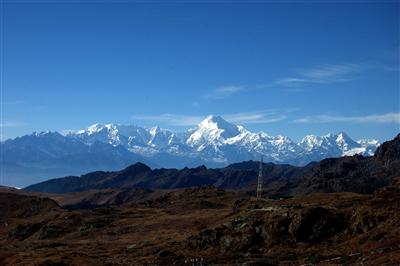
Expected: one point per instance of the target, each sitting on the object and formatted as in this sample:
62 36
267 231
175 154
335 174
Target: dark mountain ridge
35 157
214 142
351 173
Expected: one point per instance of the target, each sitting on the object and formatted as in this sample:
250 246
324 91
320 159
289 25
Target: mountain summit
214 142
213 130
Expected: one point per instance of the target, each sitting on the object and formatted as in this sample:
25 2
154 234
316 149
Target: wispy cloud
12 124
376 118
170 119
323 74
330 72
223 92
256 117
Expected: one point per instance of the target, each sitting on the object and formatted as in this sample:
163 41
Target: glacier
217 142
214 143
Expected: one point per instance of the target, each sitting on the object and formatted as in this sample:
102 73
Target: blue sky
291 69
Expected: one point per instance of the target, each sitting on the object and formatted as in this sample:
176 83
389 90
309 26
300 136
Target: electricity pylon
260 180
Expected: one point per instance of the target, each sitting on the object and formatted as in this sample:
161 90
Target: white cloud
291 81
322 74
377 118
12 124
223 92
330 72
256 117
170 119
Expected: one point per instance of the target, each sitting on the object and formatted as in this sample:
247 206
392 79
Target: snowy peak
341 140
217 123
310 142
216 120
160 137
46 133
344 142
216 140
369 146
97 128
213 130
154 131
107 133
335 145
368 142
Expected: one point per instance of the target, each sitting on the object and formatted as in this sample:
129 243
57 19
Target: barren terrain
204 226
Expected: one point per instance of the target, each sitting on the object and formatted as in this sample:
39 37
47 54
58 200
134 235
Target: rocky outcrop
207 226
256 233
389 151
24 206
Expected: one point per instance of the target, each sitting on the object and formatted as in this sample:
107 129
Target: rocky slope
356 174
205 226
91 199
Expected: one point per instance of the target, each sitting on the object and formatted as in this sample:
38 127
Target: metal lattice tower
260 180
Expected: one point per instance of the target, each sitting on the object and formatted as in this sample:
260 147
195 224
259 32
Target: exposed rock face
277 230
317 224
255 232
353 174
389 151
23 231
14 205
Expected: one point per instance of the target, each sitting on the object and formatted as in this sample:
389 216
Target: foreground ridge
202 224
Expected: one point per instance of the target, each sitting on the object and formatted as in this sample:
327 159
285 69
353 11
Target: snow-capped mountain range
216 142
